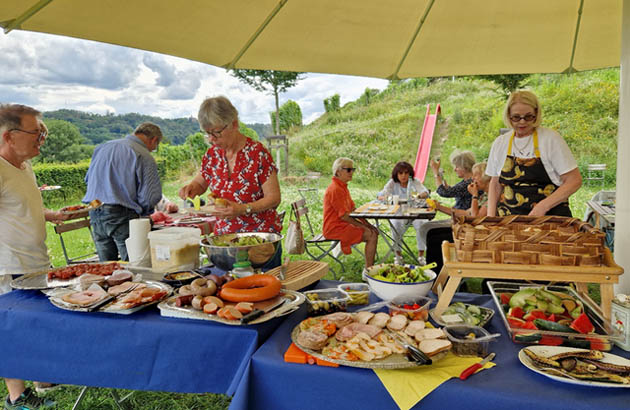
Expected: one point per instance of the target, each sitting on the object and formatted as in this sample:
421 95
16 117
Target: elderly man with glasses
124 177
22 218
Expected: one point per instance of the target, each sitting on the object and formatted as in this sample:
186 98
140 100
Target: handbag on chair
294 240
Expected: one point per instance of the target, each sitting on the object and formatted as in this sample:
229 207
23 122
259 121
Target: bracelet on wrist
475 197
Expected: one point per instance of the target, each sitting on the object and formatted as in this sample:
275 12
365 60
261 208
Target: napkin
408 386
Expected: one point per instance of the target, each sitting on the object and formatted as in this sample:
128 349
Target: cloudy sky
52 72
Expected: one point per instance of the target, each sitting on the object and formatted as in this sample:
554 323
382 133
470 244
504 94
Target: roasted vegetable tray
523 331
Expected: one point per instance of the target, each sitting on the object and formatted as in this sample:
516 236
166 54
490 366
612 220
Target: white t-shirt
554 153
22 223
394 188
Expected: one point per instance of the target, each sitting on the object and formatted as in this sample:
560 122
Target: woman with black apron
533 171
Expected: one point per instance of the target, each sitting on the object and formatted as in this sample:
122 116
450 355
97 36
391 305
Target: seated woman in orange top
337 208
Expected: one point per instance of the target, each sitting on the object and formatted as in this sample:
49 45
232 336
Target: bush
331 104
70 176
290 116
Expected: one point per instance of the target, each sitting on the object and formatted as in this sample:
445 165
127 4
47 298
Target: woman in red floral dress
238 170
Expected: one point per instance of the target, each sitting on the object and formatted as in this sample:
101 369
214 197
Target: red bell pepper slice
505 298
516 312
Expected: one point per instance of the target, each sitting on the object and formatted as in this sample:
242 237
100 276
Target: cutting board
300 274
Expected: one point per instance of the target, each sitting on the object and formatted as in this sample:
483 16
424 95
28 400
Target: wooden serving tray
453 272
300 274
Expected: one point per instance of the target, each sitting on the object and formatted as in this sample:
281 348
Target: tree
507 82
64 143
274 82
332 104
290 115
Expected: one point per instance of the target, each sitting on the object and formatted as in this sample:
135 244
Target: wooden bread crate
528 240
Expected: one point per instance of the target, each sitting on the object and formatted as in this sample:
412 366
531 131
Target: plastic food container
415 307
469 340
324 301
175 248
359 293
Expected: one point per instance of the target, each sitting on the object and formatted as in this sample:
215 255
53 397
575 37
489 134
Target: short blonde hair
524 97
480 168
341 163
463 159
216 111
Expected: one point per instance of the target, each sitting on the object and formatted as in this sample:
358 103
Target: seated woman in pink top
337 208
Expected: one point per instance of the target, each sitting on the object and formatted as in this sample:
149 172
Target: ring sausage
252 288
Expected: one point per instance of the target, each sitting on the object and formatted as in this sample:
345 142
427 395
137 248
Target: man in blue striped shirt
124 177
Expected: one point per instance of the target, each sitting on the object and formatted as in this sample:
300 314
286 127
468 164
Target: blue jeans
110 229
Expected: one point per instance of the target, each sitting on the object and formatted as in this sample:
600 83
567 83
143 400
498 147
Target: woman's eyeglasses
215 134
517 118
350 169
41 134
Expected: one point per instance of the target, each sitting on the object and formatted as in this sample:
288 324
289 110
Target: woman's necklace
521 150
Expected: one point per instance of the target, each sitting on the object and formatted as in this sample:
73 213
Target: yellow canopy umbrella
374 38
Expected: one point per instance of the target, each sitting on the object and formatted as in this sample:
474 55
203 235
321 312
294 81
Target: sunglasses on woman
350 169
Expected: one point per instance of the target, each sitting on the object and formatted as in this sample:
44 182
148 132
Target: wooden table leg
447 294
440 280
607 294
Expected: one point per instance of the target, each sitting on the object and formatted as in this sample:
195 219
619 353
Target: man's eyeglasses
39 133
517 118
350 169
215 134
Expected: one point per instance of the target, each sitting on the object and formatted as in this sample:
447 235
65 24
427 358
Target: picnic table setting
404 339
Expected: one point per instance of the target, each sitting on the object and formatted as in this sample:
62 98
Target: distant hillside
380 130
98 128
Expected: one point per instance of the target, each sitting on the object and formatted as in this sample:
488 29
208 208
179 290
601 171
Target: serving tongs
413 353
110 299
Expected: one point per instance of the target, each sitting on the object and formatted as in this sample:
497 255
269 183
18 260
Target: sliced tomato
582 324
552 317
505 298
516 312
600 344
516 322
530 325
535 314
551 340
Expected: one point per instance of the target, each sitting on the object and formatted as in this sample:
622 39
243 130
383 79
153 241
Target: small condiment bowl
469 341
180 278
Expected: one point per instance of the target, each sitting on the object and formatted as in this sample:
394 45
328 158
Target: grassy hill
583 107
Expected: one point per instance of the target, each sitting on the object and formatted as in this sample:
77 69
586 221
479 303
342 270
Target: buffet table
269 382
141 351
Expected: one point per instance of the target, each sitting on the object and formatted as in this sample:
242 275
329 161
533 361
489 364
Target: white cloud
53 72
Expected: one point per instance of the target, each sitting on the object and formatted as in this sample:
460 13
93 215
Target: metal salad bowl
224 250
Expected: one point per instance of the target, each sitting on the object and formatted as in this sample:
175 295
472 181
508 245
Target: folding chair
317 246
73 226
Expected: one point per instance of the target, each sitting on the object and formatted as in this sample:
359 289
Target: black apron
525 182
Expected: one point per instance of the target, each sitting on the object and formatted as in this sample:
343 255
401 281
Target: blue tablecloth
141 351
271 383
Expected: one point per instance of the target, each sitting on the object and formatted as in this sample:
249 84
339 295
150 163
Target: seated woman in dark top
462 163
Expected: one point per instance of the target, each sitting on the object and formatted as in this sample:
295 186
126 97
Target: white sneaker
422 261
398 260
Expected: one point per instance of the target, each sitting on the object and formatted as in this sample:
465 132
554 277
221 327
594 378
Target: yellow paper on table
408 386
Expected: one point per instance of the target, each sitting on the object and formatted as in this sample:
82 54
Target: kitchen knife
258 312
469 371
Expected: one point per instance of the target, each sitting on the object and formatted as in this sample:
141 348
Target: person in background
532 168
338 224
240 174
403 184
22 220
462 164
123 175
479 191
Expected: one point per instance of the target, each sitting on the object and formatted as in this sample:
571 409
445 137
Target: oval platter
293 301
55 298
546 351
393 361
